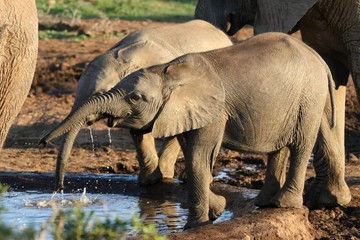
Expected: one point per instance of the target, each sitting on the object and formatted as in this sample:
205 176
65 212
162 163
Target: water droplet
109 135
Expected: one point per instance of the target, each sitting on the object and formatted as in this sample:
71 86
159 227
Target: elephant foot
167 175
217 206
193 224
183 176
149 177
263 199
167 170
318 196
287 199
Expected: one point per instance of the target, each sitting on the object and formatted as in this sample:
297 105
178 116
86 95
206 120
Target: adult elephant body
230 97
141 49
18 53
332 28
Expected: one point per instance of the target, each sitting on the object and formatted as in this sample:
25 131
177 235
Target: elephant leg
147 157
202 148
291 193
275 177
329 188
181 140
168 156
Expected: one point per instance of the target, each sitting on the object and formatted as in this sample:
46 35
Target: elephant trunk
99 105
62 159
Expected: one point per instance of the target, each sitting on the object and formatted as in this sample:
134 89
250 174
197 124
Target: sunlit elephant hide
18 54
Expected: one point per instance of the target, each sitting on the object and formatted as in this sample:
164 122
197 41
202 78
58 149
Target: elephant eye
136 97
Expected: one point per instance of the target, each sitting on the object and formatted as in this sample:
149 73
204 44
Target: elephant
141 49
18 54
331 27
230 97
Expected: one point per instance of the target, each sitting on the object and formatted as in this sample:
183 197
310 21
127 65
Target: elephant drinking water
141 49
231 97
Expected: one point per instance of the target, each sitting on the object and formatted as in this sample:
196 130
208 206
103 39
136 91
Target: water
92 139
109 135
110 195
31 208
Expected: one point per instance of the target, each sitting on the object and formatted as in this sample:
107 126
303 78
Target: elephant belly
256 136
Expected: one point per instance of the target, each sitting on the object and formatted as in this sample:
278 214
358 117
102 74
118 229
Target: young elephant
266 94
141 49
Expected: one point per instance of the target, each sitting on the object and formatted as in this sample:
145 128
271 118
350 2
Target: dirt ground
60 64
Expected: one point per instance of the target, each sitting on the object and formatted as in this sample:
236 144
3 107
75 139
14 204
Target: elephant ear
280 15
196 98
143 54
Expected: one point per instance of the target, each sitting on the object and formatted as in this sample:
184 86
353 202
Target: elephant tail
332 98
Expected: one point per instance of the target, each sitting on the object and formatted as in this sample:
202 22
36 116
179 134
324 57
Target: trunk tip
43 142
59 188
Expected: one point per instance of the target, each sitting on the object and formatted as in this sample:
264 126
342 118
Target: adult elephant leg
275 176
201 150
18 54
62 159
168 156
353 48
329 188
147 157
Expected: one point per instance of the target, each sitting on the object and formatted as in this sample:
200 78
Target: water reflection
168 216
31 208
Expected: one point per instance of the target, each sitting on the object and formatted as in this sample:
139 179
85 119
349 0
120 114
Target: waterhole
30 200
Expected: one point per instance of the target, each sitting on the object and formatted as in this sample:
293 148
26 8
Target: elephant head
227 15
106 70
165 100
101 74
265 15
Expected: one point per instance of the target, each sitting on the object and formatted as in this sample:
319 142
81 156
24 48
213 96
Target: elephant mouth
114 121
111 120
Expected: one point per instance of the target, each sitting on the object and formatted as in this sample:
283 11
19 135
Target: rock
267 223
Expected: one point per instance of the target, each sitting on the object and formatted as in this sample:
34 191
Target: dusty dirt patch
61 62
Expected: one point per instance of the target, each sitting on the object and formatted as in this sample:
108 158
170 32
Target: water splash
55 201
109 135
84 199
110 142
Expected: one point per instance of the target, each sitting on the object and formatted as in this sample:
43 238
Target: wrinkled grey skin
227 97
18 54
141 49
332 28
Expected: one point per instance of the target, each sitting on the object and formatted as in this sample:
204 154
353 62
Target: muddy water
33 208
30 200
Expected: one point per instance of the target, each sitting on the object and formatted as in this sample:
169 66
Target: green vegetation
53 34
157 10
76 224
